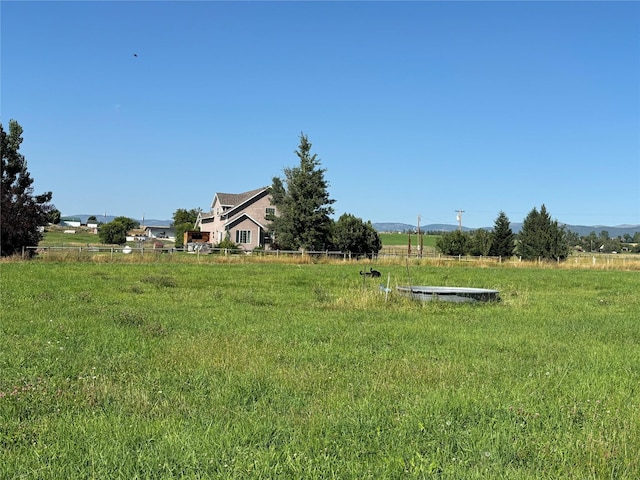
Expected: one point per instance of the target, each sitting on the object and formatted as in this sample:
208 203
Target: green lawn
264 370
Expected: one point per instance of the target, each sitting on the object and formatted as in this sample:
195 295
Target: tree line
303 222
541 238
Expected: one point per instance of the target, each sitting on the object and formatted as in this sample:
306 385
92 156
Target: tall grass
264 370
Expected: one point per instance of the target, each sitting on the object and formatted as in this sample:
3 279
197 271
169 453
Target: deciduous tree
480 241
116 230
352 234
54 216
453 243
21 212
184 220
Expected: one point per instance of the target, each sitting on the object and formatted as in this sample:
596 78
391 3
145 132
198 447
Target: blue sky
416 108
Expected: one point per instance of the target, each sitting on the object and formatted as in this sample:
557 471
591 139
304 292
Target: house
70 221
136 235
239 217
161 232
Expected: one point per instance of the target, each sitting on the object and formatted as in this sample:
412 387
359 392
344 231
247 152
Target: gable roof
239 218
235 199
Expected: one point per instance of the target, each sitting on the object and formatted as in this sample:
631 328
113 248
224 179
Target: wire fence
115 253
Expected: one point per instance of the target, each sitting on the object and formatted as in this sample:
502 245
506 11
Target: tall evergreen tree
303 204
503 243
21 212
541 237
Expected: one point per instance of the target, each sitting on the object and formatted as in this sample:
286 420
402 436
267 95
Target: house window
270 211
243 236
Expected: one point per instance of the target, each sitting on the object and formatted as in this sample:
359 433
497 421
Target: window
270 211
243 236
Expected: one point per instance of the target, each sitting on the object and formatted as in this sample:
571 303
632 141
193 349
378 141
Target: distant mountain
108 218
403 227
581 230
392 227
617 231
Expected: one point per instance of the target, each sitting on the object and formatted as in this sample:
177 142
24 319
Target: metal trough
450 294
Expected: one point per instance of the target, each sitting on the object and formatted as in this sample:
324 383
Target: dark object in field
370 273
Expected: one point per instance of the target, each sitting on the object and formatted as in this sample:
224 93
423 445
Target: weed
162 281
130 318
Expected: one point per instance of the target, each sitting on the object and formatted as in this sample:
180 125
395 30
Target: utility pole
419 239
459 218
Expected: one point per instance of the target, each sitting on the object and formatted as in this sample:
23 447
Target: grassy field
57 237
398 243
402 240
265 370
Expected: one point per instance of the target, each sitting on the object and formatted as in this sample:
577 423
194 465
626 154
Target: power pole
459 218
419 239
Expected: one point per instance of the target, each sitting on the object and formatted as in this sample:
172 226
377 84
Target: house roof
233 199
234 203
156 227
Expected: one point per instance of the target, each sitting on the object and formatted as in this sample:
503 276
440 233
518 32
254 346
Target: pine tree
541 237
303 204
502 244
21 212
